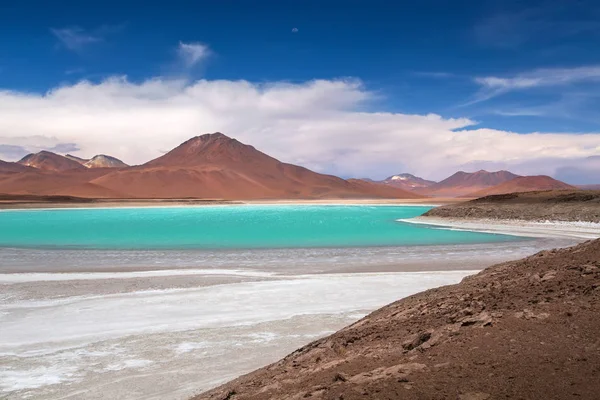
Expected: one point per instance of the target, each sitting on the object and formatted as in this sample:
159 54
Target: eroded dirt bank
525 329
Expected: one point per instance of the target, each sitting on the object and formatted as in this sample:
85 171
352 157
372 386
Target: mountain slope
524 184
218 167
104 161
407 182
525 329
98 161
12 167
463 183
48 161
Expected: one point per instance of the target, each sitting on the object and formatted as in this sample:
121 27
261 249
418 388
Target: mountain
104 161
214 166
463 183
98 161
48 161
407 182
12 167
524 184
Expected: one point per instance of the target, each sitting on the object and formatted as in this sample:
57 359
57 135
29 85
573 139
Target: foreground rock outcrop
527 329
555 205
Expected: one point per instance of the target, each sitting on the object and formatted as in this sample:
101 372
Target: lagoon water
226 227
160 303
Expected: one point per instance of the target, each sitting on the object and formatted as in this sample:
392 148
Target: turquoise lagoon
228 227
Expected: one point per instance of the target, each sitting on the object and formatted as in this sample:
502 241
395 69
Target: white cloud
493 86
75 38
193 53
542 77
319 124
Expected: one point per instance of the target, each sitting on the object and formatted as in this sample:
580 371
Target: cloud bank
320 124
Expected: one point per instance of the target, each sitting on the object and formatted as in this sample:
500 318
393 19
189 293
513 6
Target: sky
353 88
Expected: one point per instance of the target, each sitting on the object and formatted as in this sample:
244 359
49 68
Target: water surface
227 227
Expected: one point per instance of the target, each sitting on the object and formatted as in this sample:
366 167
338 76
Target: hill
98 161
407 182
217 166
524 184
463 183
48 161
556 205
521 329
11 167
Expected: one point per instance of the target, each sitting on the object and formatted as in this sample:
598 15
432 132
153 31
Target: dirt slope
561 205
524 184
520 330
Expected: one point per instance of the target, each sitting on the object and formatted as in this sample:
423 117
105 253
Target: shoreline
156 203
539 229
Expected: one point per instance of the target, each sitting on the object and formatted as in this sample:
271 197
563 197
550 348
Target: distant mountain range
215 166
474 184
211 166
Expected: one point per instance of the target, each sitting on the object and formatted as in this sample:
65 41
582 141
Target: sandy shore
559 229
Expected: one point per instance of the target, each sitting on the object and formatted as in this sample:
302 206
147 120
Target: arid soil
562 205
524 184
527 329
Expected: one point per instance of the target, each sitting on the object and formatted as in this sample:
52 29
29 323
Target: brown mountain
407 182
463 183
216 166
98 161
211 166
12 167
524 184
104 161
48 161
525 329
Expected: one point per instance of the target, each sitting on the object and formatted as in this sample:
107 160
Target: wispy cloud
542 77
75 38
193 53
493 86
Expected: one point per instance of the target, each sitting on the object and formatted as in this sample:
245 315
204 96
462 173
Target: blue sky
512 66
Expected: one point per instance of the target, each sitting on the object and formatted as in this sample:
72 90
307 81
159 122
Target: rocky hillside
561 205
520 330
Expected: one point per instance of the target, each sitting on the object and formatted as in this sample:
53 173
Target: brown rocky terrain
560 205
464 183
524 184
48 161
526 329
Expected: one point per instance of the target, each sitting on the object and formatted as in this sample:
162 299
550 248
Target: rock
548 276
589 269
416 340
482 319
340 377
